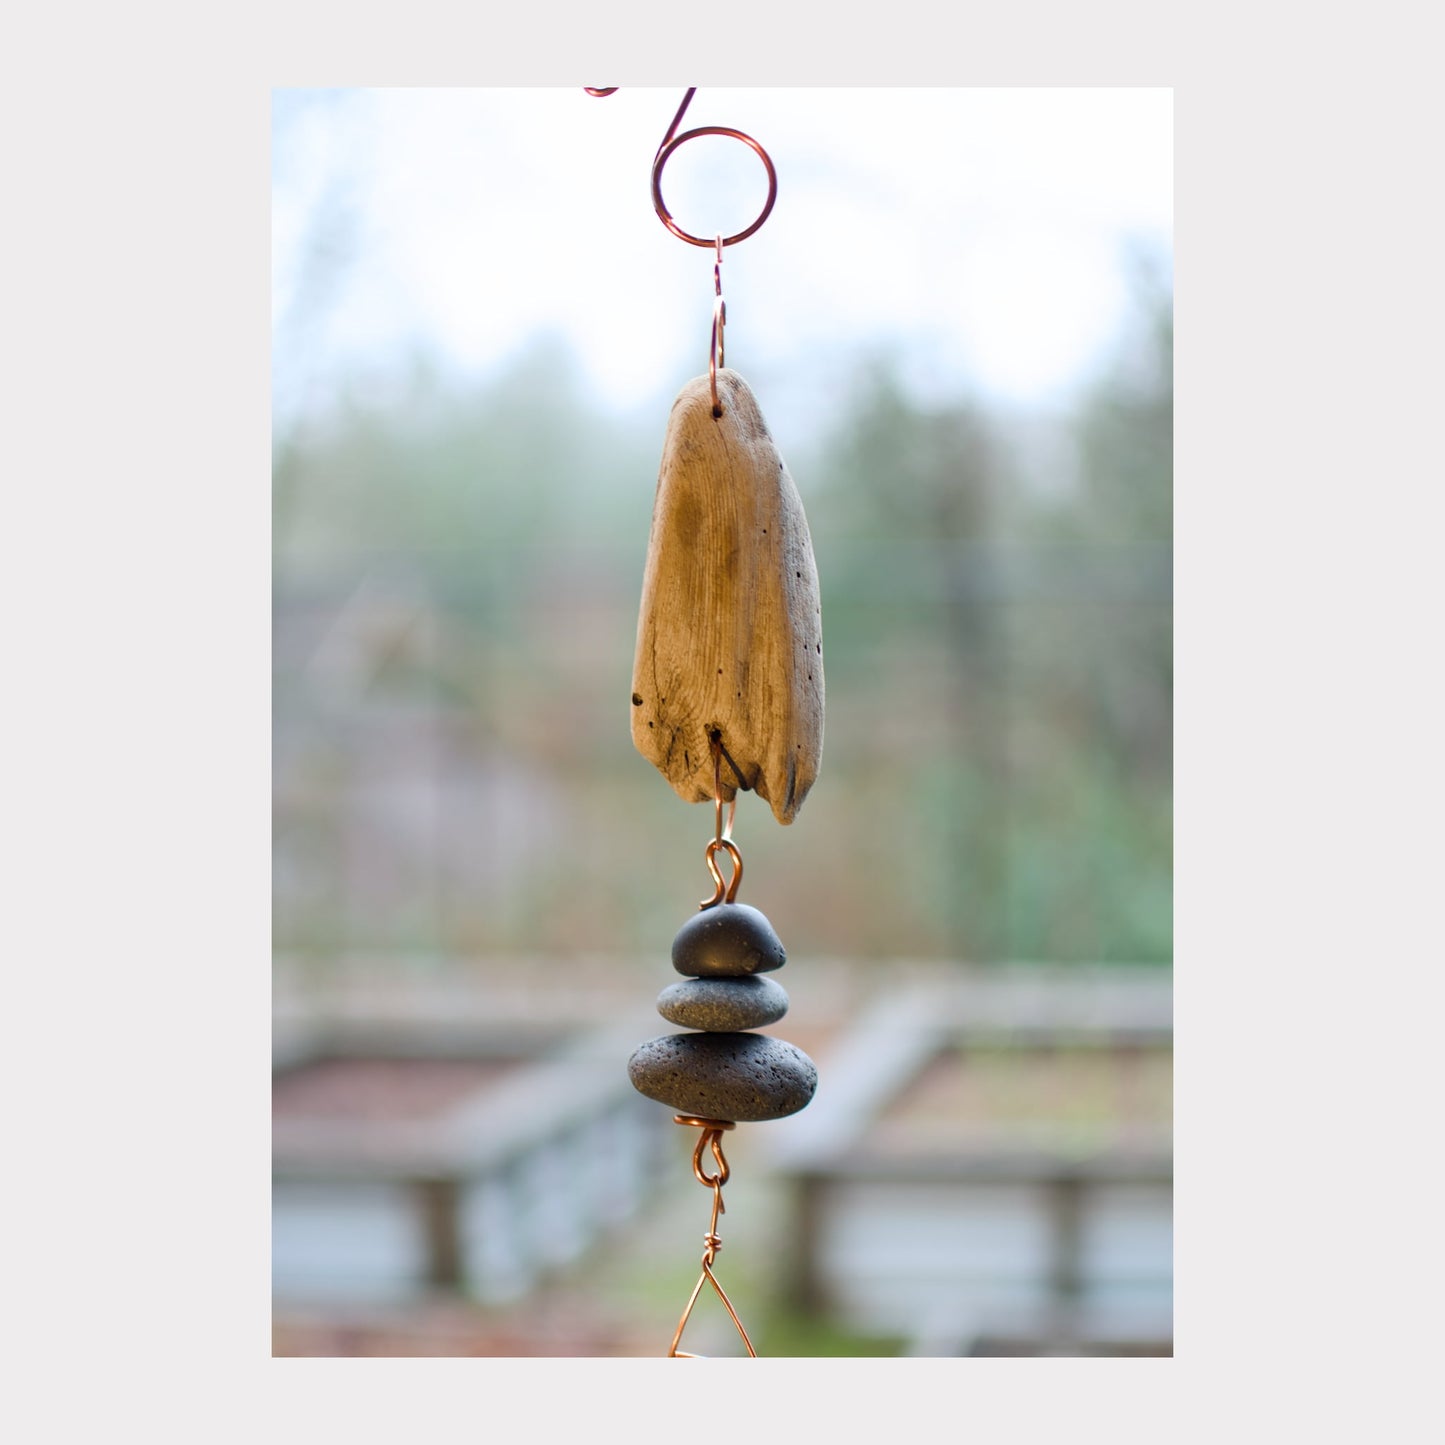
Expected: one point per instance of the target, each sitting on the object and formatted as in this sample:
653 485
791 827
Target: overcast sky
979 234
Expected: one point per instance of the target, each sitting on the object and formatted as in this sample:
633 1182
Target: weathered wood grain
730 632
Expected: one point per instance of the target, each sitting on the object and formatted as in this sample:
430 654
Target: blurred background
958 323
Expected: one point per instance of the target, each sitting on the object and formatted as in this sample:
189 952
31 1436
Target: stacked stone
722 1071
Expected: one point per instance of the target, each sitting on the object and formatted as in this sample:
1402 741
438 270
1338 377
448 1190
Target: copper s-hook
670 142
730 892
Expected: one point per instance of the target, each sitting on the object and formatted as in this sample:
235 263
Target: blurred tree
1090 847
457 572
915 679
999 656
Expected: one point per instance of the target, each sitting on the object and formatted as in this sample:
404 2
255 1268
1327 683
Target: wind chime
727 697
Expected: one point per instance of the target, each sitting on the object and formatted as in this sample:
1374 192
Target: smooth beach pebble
739 1076
728 940
723 1005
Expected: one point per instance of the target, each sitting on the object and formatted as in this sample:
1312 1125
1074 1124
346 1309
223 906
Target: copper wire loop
665 154
671 141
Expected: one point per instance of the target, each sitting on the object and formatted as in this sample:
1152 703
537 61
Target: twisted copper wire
711 1136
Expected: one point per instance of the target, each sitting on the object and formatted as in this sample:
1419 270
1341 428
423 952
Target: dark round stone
728 940
743 1077
723 1005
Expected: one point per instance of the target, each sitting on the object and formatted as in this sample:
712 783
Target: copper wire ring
665 154
670 143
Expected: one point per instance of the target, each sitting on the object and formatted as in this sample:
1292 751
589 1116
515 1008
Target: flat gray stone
728 940
723 1005
739 1076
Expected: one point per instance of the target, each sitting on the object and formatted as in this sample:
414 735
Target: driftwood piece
730 633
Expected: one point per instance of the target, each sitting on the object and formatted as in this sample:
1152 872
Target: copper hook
712 1132
731 890
670 142
715 357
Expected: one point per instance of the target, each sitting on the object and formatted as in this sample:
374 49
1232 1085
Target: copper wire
722 837
715 357
697 1122
712 1132
722 833
665 154
721 892
711 1136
